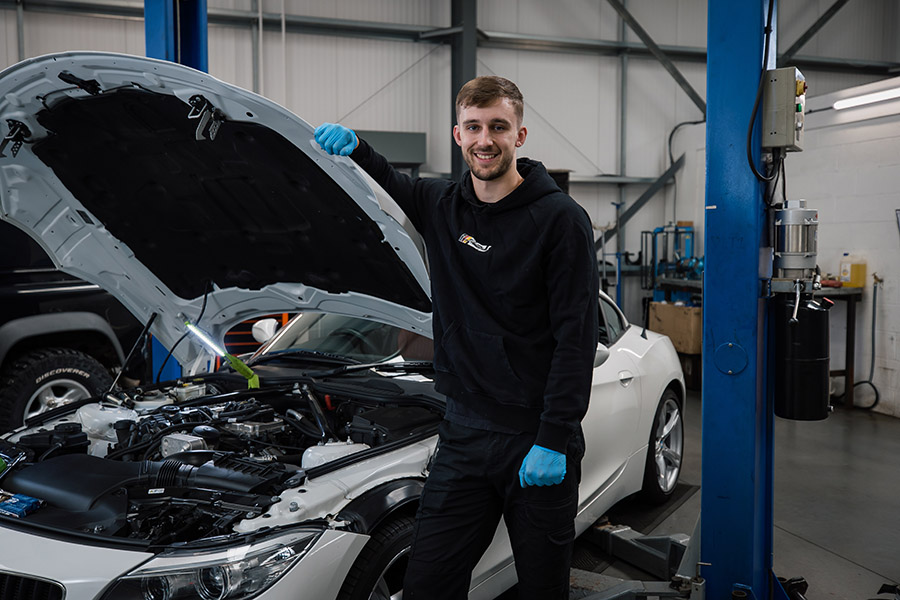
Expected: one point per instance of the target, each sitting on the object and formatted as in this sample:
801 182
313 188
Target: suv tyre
44 379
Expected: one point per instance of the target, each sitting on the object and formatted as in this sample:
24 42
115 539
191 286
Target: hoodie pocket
480 362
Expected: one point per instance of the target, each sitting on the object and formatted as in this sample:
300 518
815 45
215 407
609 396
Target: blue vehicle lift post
176 31
737 482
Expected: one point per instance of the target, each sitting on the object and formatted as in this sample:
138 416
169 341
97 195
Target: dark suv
61 338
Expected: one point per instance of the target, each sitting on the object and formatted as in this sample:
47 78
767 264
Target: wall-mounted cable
759 92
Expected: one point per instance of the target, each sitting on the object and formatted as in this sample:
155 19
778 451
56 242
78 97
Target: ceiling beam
420 33
809 33
655 50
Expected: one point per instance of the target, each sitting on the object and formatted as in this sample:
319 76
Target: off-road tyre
38 381
379 569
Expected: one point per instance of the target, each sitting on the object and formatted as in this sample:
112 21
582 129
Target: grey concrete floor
837 502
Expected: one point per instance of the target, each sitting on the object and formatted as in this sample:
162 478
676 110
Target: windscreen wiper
406 366
304 354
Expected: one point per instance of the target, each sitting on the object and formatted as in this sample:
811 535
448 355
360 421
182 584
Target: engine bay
190 460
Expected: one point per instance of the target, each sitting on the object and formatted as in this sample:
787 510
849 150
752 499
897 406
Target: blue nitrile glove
336 139
542 466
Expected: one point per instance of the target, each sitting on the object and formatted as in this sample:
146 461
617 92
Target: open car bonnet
163 185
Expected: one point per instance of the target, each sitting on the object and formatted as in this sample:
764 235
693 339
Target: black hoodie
515 289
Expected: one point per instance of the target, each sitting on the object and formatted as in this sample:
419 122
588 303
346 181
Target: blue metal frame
175 30
672 256
736 504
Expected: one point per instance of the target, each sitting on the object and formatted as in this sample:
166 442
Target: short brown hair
486 90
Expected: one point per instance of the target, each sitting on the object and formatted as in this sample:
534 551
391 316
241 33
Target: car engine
189 461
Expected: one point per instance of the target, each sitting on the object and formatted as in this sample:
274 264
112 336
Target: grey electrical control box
784 104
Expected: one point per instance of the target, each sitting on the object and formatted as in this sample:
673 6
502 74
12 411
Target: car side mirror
264 329
601 355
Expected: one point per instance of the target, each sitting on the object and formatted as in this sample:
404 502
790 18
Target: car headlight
231 574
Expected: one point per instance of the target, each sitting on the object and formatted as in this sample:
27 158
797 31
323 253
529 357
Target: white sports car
204 204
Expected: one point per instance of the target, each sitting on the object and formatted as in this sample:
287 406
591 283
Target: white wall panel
58 32
563 93
504 63
598 201
499 15
859 30
650 107
365 84
892 28
821 83
686 200
678 22
231 55
592 19
655 104
440 119
589 19
410 12
659 20
9 41
670 22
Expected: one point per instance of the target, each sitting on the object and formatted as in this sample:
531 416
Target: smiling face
488 137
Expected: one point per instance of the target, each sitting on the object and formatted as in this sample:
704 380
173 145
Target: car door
611 423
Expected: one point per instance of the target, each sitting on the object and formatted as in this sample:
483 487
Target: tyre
44 379
664 450
379 569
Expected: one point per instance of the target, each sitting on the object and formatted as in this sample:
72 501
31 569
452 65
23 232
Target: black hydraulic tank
801 358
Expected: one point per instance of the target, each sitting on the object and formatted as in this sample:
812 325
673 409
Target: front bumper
85 571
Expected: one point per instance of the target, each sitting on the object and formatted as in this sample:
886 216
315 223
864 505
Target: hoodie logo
468 240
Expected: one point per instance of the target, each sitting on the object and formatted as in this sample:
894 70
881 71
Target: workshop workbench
851 296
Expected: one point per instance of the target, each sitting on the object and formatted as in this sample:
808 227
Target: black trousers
473 482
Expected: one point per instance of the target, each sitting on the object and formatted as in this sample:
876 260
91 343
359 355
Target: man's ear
520 136
456 135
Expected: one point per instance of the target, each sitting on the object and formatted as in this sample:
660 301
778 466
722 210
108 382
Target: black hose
50 451
303 426
186 333
869 381
169 355
759 91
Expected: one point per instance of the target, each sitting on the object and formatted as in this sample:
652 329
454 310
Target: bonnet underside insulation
244 210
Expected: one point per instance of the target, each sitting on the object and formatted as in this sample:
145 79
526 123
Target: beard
488 173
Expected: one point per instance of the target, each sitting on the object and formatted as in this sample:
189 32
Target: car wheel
379 569
665 450
45 379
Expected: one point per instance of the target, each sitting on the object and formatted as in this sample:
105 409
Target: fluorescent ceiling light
867 98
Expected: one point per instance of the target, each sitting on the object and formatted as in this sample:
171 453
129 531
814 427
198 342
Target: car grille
16 587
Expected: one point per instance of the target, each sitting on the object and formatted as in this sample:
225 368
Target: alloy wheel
668 445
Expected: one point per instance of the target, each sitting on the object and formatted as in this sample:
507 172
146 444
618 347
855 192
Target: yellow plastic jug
853 270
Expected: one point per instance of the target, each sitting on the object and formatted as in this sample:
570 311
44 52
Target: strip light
203 337
867 98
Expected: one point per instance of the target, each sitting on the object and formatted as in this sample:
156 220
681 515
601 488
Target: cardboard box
683 325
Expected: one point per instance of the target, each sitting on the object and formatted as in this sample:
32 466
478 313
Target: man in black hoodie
515 306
